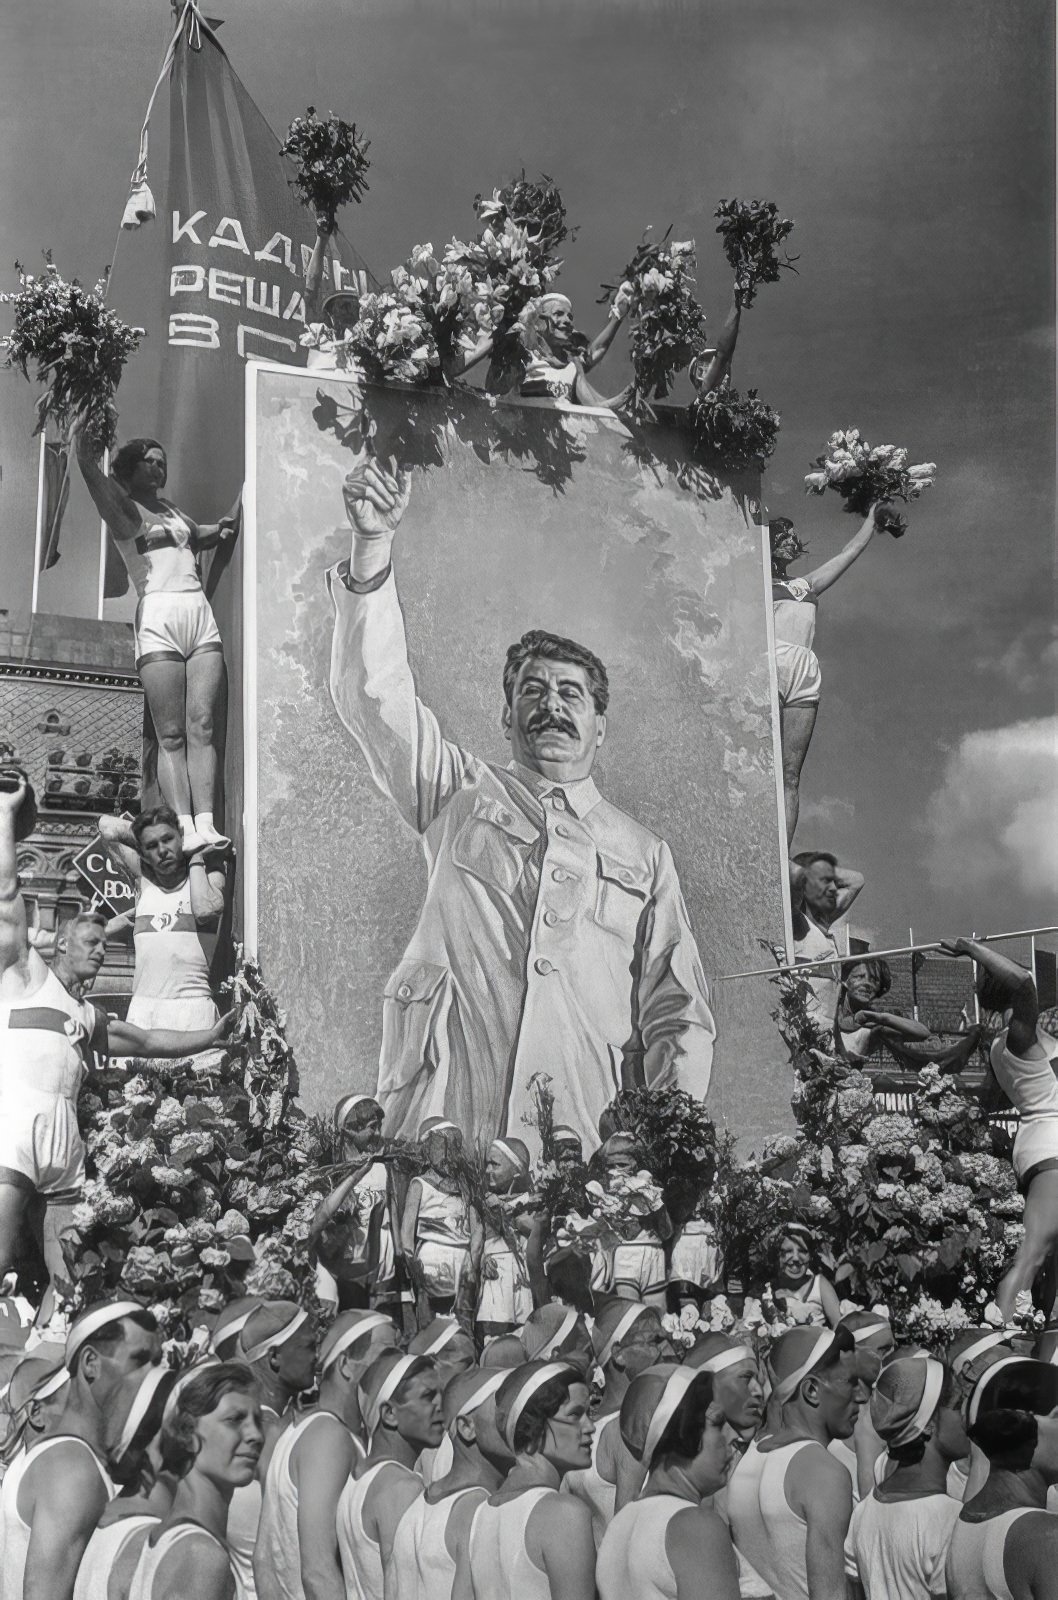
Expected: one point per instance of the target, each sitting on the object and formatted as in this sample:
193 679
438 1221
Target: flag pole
38 538
873 955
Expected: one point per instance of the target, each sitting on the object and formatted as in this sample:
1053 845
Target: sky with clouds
912 144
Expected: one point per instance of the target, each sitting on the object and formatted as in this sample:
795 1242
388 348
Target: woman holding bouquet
179 654
558 359
794 602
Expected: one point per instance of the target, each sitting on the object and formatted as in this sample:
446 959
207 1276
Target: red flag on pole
236 243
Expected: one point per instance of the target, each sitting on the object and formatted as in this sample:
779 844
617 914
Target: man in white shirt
821 893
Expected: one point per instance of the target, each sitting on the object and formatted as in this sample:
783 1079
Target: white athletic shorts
443 1266
695 1255
175 624
797 669
40 1141
1035 1146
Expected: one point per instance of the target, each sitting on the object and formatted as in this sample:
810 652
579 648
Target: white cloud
994 818
829 808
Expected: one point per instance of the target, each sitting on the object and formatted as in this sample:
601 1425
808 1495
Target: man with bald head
553 936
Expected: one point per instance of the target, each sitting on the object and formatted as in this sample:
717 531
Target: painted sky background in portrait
913 145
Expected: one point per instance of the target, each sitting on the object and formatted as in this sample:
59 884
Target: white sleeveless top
500 1567
794 608
770 1536
278 1546
172 953
897 1548
809 1294
633 1564
152 1556
442 1217
244 1517
544 377
360 1557
587 1484
823 982
104 1548
423 1568
1030 1085
974 1569
14 1532
44 1037
160 557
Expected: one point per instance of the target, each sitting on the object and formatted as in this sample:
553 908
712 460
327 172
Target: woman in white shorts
794 602
179 654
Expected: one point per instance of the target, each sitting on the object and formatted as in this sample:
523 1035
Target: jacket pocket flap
632 875
505 817
415 980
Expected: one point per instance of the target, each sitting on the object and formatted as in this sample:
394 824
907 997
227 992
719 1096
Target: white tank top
823 982
633 1564
809 1294
795 612
1030 1085
499 1562
588 1485
974 1569
14 1532
152 1556
172 960
244 1517
442 1217
544 377
45 1035
278 1547
422 1566
101 1556
770 1536
360 1557
160 558
898 1547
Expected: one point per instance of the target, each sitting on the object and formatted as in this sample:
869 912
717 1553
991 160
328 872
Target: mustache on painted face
542 721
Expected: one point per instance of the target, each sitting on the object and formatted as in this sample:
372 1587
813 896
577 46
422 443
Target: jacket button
559 875
562 830
551 917
404 992
503 818
543 966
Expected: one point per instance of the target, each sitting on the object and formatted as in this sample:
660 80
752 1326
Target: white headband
967 1357
439 1127
153 1378
861 1335
676 1387
521 1162
535 1381
493 1382
50 1385
931 1392
728 1358
561 1334
985 1379
373 1319
182 1383
101 1317
274 1340
627 1320
442 1337
344 1107
233 1328
388 1387
788 1387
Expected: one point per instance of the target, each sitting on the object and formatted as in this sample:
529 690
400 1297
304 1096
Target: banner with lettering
236 245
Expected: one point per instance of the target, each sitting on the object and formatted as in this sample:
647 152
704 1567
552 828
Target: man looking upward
553 936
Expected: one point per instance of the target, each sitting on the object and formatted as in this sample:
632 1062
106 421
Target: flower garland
753 234
330 160
863 475
78 348
734 431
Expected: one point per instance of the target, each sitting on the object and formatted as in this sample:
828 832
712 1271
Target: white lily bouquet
394 335
78 347
863 474
667 322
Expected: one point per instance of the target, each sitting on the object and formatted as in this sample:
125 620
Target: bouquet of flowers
394 336
506 271
200 1186
536 208
78 347
863 475
330 160
753 234
733 431
668 324
678 1140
